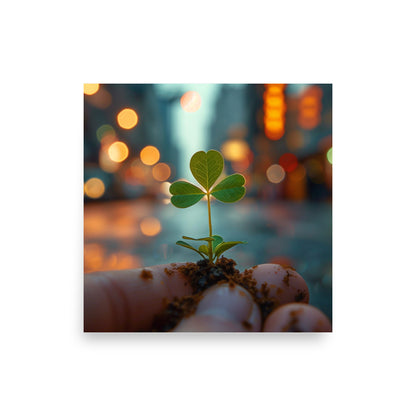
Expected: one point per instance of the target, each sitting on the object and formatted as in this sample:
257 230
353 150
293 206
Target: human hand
129 301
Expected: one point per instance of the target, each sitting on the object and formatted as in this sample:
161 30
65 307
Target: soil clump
200 277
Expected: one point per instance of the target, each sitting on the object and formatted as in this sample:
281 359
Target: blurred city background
139 138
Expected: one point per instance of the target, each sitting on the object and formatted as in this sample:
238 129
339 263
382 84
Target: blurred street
139 139
135 233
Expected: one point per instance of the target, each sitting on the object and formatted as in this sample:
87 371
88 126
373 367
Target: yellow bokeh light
235 150
150 226
94 188
191 101
161 172
275 173
149 155
118 152
91 89
127 118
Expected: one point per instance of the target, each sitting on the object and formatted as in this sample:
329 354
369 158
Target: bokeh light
118 152
329 155
149 155
161 172
275 173
105 130
121 261
94 188
274 109
93 257
288 161
310 107
150 226
101 99
191 101
138 170
91 89
242 165
235 150
106 164
298 173
127 118
164 188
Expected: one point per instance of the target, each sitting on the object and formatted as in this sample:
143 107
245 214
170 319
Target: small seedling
206 169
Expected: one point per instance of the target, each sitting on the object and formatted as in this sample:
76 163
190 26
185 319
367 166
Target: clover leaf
206 167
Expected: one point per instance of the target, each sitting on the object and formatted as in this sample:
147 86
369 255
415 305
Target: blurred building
120 121
278 136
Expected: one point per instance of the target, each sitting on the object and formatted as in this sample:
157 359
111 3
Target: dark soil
201 276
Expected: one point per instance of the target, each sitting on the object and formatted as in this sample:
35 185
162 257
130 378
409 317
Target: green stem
210 228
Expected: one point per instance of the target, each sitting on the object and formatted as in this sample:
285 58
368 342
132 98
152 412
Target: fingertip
297 317
224 308
281 283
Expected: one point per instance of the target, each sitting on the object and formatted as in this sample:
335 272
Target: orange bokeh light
274 124
101 99
118 151
91 89
161 172
121 261
274 111
274 88
191 101
138 171
94 188
150 226
274 134
309 123
275 102
298 173
310 108
94 255
127 118
149 155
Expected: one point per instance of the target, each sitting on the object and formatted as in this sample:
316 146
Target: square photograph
207 207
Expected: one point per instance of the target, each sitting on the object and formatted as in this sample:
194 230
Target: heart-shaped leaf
226 246
230 189
186 245
184 194
207 167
